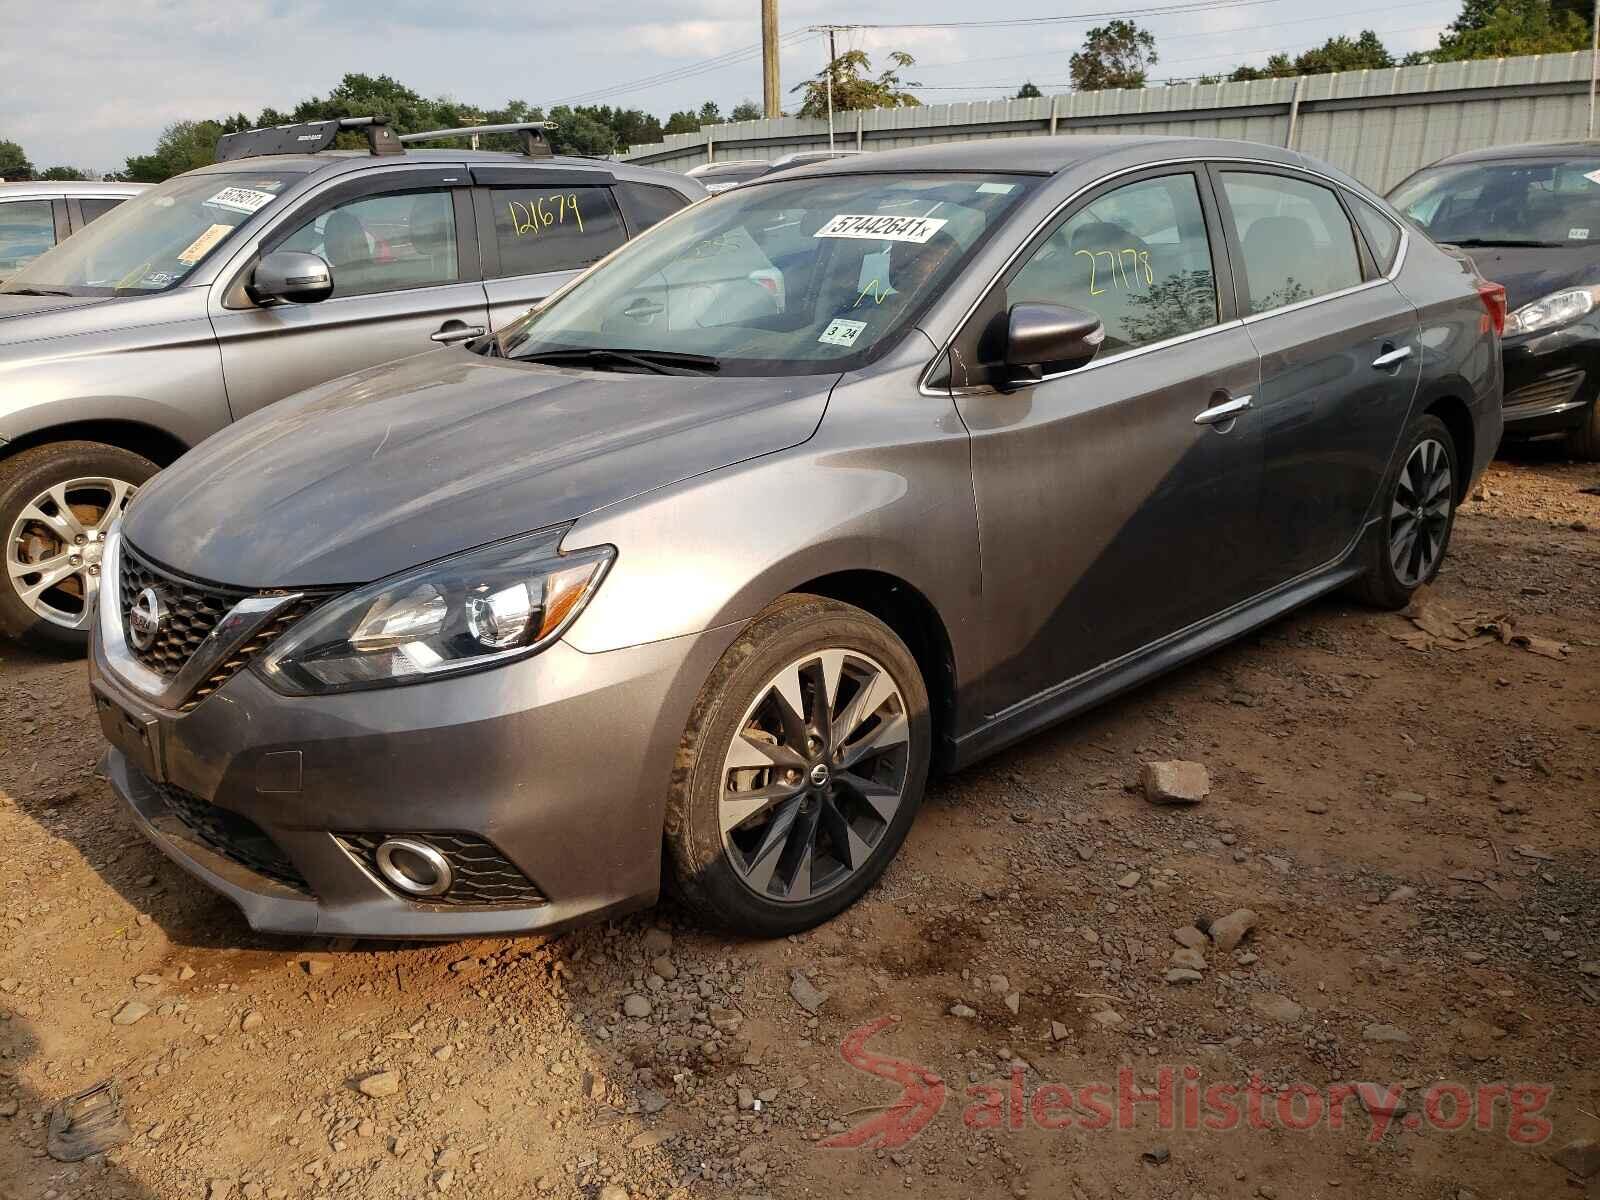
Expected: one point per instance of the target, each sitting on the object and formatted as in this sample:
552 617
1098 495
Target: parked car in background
730 173
224 289
457 646
35 216
1530 217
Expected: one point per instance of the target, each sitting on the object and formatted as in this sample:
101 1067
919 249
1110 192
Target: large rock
1582 1158
1277 1008
379 1086
1385 1033
1176 782
1227 932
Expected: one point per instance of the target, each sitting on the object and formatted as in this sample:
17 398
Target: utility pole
772 101
1594 64
833 56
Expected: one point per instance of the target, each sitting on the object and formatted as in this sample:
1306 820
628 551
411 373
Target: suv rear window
646 204
554 228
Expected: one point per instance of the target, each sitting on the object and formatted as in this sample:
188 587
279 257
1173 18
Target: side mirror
291 277
1039 335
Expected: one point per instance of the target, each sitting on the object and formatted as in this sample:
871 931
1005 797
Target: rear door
538 228
1340 360
27 229
404 252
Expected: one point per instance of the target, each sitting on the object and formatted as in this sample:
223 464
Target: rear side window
97 206
1383 238
541 229
27 230
1138 257
645 204
1297 242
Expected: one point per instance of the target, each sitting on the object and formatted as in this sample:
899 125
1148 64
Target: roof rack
308 137
534 142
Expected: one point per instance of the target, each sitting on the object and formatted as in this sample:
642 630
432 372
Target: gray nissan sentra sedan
821 484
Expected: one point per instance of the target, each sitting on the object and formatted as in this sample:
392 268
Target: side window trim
1369 272
1351 199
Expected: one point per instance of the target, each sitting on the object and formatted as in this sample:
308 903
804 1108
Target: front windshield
155 240
1517 202
805 276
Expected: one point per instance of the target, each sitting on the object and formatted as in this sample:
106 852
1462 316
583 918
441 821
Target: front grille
1552 391
483 876
236 838
194 609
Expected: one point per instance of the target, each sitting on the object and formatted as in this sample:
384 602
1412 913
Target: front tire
1583 442
1406 546
57 503
801 770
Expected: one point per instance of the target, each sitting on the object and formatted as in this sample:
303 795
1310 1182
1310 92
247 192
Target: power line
1072 19
677 74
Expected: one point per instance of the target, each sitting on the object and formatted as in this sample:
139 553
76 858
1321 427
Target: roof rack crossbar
534 142
307 137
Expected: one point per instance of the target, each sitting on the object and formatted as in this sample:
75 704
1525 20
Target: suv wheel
802 768
1407 545
57 503
1583 443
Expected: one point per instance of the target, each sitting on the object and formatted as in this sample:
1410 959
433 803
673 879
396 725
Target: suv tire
1583 441
101 478
776 823
1425 479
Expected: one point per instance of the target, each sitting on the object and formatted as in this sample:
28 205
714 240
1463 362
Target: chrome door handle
460 333
1227 411
1392 358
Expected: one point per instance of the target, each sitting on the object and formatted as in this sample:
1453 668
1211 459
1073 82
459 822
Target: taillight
1494 307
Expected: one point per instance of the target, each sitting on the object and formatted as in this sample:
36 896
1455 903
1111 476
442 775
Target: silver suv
285 264
35 216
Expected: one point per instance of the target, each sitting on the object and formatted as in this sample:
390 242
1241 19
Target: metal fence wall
1377 125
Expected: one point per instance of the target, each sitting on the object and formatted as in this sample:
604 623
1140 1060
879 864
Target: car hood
1530 272
399 465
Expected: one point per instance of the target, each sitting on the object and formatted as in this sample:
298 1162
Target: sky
89 83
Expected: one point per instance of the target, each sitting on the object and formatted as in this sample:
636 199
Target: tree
854 88
14 163
1501 28
1029 91
746 110
182 146
1117 55
1364 53
63 173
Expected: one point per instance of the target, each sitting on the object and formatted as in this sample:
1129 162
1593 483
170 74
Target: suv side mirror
1063 338
291 277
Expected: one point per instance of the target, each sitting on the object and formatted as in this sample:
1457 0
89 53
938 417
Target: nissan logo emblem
145 619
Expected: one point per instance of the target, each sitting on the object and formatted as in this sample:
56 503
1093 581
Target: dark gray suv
831 479
222 290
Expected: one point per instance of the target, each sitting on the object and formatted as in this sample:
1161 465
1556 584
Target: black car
1530 218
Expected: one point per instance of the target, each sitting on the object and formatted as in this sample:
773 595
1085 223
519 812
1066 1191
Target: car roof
1046 154
1571 149
68 187
342 162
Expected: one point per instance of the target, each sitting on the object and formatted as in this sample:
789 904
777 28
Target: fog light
413 867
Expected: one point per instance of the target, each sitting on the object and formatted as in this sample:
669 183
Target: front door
1109 516
405 280
1340 360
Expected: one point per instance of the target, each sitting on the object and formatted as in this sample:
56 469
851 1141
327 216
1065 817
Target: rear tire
1583 443
780 817
1406 546
57 502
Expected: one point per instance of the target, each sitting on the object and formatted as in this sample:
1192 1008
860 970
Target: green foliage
1363 53
14 163
1029 91
746 110
1501 28
1116 55
59 173
182 146
853 86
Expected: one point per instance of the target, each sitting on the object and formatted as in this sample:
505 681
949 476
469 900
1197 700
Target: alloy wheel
54 547
814 776
1419 514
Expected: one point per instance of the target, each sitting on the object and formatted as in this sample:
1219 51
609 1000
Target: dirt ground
1415 827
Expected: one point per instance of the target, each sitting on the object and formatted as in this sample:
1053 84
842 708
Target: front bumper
1551 379
560 762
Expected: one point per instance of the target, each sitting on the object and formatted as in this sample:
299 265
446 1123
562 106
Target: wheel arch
159 446
1457 418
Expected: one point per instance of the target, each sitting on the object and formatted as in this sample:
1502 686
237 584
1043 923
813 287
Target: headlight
1553 311
474 610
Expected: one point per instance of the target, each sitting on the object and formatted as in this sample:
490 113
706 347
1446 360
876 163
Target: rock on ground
1176 782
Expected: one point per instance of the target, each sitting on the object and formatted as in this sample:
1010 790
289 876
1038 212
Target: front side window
1519 202
1296 240
540 229
384 243
27 230
800 276
1138 257
155 240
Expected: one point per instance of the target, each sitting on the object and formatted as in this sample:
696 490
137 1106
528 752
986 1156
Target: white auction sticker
1592 176
878 228
842 332
241 200
1578 235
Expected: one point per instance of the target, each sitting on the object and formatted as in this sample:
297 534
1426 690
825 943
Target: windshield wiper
35 292
659 362
1498 241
